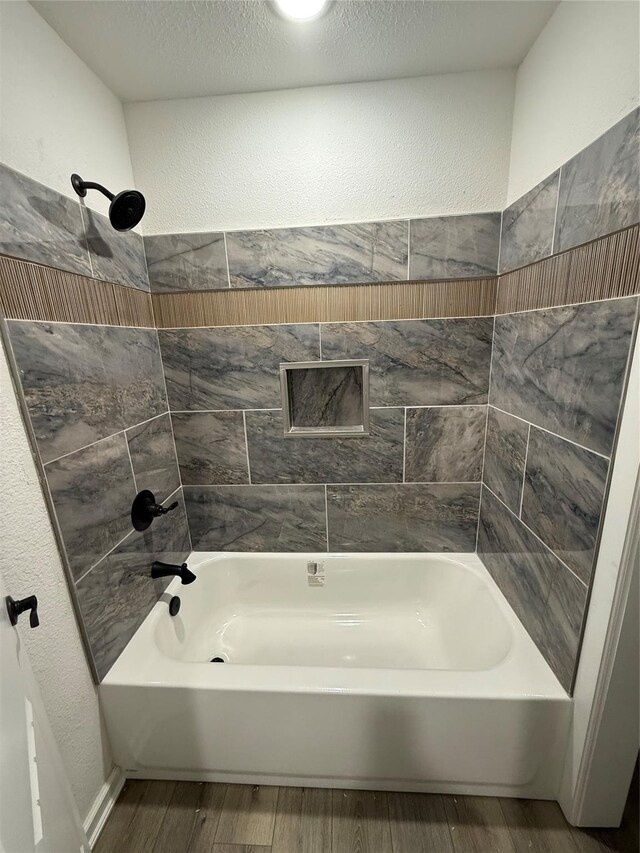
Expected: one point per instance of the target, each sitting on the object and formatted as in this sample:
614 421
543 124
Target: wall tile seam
76 323
331 484
122 431
541 541
568 305
486 430
320 322
372 408
124 538
551 432
524 472
86 239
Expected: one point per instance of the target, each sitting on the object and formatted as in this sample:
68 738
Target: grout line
246 447
226 257
535 535
85 224
500 243
222 411
333 483
112 435
404 448
555 215
104 557
133 473
97 325
408 250
174 492
320 338
524 472
326 515
550 432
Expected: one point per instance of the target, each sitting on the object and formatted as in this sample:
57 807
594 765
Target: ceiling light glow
301 10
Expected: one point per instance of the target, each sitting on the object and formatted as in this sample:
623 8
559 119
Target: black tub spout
166 570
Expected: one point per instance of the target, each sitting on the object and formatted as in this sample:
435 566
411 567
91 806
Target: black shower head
126 209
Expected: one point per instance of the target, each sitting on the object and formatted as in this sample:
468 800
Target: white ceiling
154 49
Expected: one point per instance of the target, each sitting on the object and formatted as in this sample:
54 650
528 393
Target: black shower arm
91 185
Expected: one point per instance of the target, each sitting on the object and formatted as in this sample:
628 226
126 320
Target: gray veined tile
82 383
116 256
232 367
527 225
41 225
256 518
418 362
563 493
328 254
504 457
211 447
116 596
186 262
445 444
403 517
374 458
92 491
546 597
600 186
325 397
563 368
153 457
454 246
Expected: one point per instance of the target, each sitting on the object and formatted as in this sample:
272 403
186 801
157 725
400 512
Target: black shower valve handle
158 509
15 608
145 508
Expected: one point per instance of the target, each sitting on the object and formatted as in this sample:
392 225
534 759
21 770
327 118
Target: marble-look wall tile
600 186
211 448
92 491
418 362
116 596
41 225
405 517
549 600
330 254
325 397
454 246
527 225
186 262
232 367
256 518
153 457
376 458
563 493
83 383
563 368
115 255
445 444
504 457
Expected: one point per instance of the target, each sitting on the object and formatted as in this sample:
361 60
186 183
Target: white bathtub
393 671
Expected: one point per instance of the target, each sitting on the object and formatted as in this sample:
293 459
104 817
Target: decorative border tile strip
32 292
607 268
322 304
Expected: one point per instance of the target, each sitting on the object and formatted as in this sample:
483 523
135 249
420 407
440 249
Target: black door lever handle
15 608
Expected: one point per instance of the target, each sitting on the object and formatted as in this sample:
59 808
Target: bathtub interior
377 611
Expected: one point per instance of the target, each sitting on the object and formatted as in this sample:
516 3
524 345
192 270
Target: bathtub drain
217 660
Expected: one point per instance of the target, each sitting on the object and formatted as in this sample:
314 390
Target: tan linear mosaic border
607 268
32 292
398 300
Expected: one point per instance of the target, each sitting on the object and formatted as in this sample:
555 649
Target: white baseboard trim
102 805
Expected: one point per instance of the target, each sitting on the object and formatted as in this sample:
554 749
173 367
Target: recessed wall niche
325 398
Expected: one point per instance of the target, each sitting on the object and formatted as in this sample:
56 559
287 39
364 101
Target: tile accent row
595 193
32 292
357 518
44 226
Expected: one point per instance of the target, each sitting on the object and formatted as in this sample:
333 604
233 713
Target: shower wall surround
493 397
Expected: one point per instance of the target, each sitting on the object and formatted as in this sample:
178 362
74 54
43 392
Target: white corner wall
30 564
580 77
56 116
346 153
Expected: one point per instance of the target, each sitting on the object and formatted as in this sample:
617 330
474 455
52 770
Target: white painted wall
56 116
580 77
30 564
345 153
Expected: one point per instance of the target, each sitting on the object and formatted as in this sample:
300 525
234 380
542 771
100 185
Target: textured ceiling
152 49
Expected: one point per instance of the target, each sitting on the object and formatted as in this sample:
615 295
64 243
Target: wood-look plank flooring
193 817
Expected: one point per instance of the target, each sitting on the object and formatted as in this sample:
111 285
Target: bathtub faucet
166 570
